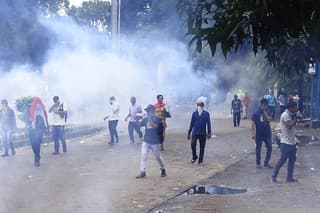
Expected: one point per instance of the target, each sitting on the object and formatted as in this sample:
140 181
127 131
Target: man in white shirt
113 118
134 110
288 147
59 119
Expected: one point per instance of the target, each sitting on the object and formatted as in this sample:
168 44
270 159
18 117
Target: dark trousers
58 133
287 152
267 142
272 111
36 138
202 141
282 109
113 131
236 118
134 126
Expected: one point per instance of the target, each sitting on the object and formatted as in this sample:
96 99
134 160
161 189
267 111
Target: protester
59 119
162 113
38 125
236 108
113 118
288 147
200 127
134 110
271 103
152 140
8 126
282 99
261 132
246 105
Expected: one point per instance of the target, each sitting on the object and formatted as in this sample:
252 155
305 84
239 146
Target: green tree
93 13
287 31
53 7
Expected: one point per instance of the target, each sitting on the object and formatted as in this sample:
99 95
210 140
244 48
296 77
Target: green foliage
23 105
93 13
288 31
53 7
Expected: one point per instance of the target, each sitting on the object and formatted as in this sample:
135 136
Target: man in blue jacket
200 121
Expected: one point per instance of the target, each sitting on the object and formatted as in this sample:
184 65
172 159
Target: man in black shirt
236 108
261 132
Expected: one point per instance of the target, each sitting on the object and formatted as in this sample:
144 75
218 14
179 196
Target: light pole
115 20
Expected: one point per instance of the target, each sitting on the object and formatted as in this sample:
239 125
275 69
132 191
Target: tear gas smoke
84 72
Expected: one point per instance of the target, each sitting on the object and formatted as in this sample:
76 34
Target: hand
154 125
189 136
253 135
126 119
105 118
208 136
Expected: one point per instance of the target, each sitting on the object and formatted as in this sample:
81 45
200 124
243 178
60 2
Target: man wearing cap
200 122
152 141
8 125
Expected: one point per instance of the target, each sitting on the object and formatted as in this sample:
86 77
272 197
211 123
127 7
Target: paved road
96 177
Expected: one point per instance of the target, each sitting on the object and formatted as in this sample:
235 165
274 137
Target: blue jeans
236 118
7 141
145 148
272 111
267 142
113 131
58 133
131 127
287 152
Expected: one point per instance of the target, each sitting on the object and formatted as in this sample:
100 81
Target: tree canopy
287 31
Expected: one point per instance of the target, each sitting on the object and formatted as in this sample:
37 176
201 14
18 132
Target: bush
23 105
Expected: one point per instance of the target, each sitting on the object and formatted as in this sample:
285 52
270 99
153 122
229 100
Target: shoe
142 175
268 166
194 160
161 147
292 180
131 142
36 164
273 180
111 142
258 166
201 164
55 153
163 173
5 155
13 152
64 151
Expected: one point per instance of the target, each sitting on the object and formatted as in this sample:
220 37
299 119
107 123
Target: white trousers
145 148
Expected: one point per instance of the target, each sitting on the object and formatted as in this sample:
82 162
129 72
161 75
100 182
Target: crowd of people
153 119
